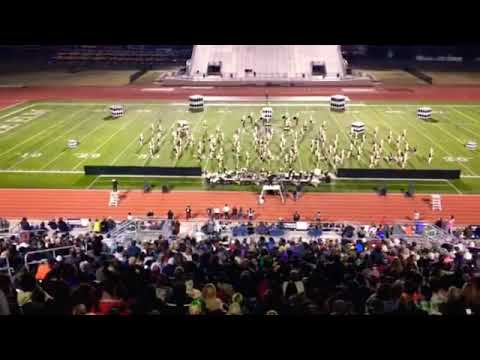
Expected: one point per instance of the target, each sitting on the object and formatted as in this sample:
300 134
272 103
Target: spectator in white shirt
226 211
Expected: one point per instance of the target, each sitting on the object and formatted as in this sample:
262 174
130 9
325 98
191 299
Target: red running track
366 208
417 93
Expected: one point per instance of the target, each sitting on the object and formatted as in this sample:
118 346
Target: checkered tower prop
471 145
358 127
338 103
117 111
267 113
196 103
424 113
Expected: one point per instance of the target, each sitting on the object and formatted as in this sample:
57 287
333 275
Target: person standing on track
226 211
141 139
114 185
451 224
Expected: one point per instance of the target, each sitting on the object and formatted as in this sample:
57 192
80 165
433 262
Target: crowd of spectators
230 213
238 276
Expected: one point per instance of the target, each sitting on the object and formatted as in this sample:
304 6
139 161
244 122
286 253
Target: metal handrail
121 227
53 250
431 232
7 268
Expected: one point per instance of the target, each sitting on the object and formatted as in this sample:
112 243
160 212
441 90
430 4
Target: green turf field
34 152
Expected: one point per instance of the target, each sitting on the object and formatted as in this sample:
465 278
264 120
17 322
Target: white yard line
56 138
13 105
299 156
475 122
464 128
16 111
197 124
393 111
411 162
339 126
93 182
160 144
23 126
102 124
356 118
404 179
130 144
388 126
463 114
453 186
7 171
135 139
218 122
388 179
450 135
436 144
105 142
56 124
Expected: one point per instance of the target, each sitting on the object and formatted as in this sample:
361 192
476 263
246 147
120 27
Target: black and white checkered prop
72 143
117 111
471 145
338 103
196 103
267 113
358 127
424 113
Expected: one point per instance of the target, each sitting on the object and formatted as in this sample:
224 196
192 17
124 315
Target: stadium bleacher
242 268
129 54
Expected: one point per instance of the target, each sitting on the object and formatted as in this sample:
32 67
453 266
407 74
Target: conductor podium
114 199
274 188
114 195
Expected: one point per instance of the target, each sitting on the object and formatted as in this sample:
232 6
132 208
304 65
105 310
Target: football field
34 136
